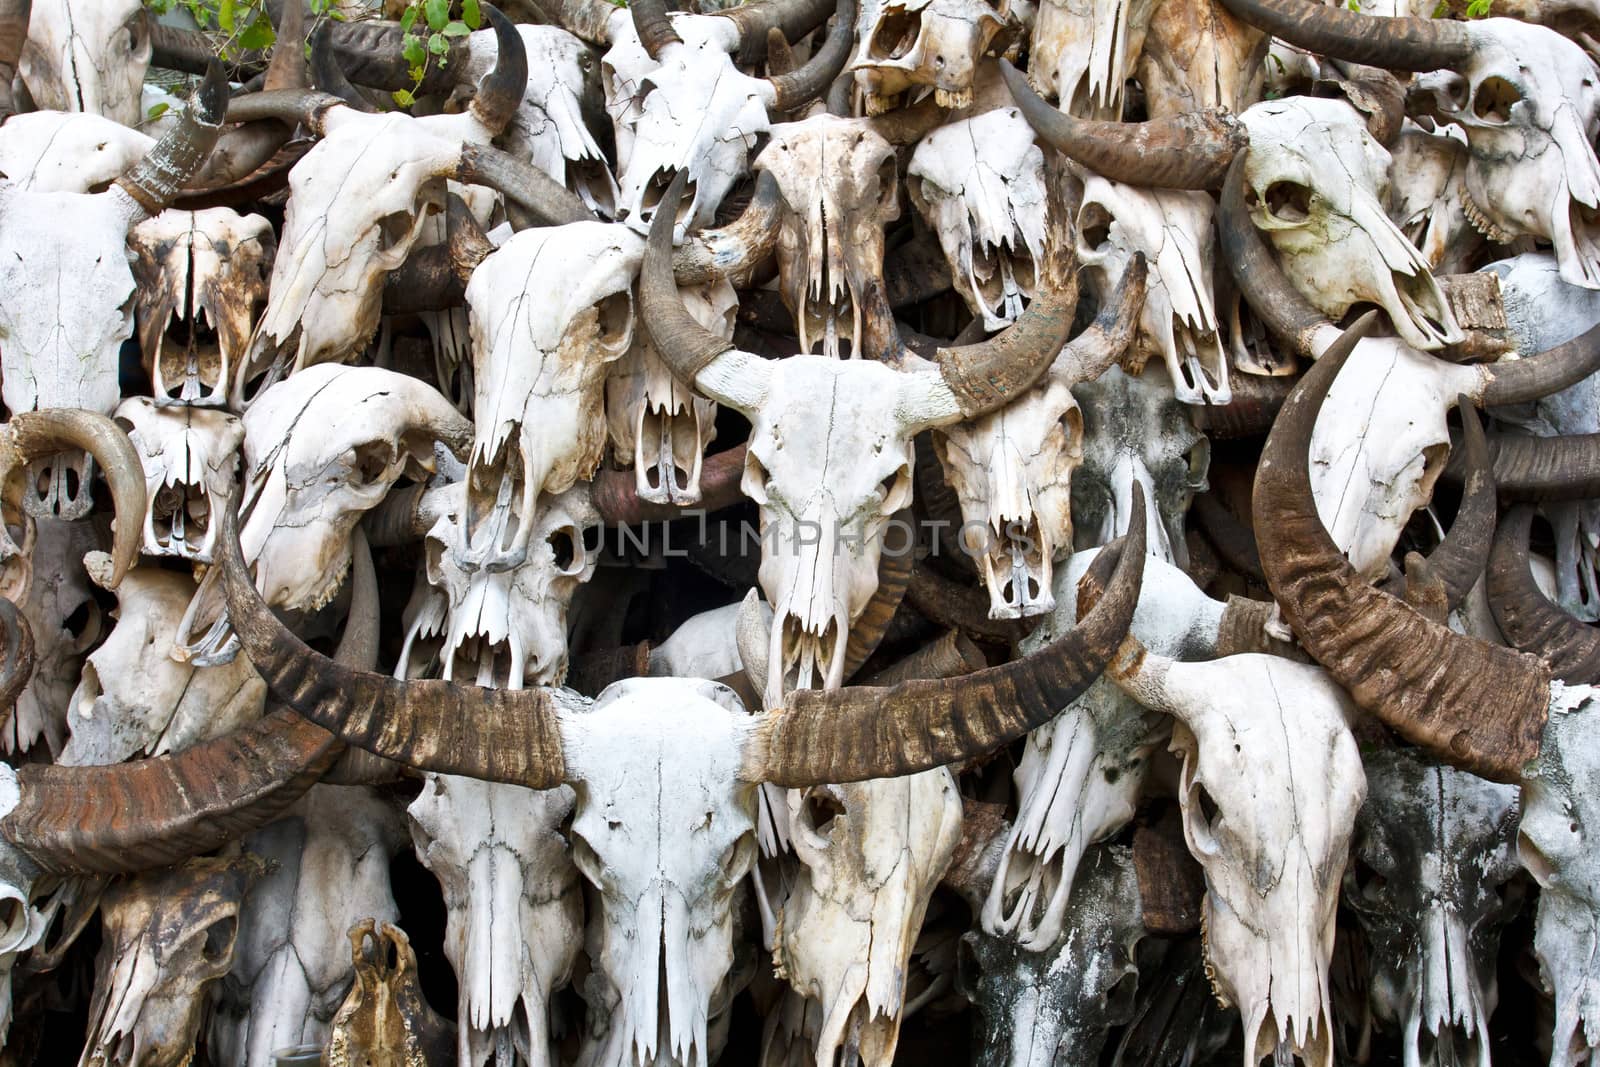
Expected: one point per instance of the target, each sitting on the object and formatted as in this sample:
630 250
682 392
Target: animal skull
202 281
1084 51
66 622
169 936
1433 847
191 465
980 184
68 151
88 55
905 44
1173 229
1317 181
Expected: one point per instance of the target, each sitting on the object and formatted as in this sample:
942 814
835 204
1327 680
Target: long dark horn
1189 151
650 22
732 251
1526 616
1419 44
13 35
435 277
328 75
289 69
1282 309
499 735
1522 381
615 494
588 20
155 812
682 343
500 91
798 88
17 669
1541 469
1092 352
856 733
894 575
304 106
156 179
552 203
1257 399
793 18
31 435
1472 704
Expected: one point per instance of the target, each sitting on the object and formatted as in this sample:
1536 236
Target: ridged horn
1522 381
1527 617
31 435
1472 704
13 35
304 106
1188 151
500 91
155 181
552 203
856 733
793 18
498 735
732 251
798 88
894 575
1405 43
650 22
329 76
1541 469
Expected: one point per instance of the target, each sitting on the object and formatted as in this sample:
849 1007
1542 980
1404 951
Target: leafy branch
425 31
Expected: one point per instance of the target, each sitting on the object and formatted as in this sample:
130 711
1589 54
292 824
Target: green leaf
408 20
471 14
456 29
438 12
225 15
438 45
156 111
258 35
413 51
403 97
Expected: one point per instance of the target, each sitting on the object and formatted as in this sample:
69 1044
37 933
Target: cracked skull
191 466
934 44
88 55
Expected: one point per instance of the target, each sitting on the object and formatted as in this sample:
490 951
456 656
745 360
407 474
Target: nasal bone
1128 471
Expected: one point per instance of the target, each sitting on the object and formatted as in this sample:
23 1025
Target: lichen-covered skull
202 281
1173 228
980 184
1316 181
88 55
191 466
1433 849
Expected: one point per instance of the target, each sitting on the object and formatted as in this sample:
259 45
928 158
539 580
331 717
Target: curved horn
1472 704
588 20
13 35
732 251
1092 352
683 344
500 91
793 18
1541 469
17 669
552 203
288 69
1459 560
798 88
1526 616
155 180
154 812
498 735
650 22
856 733
328 75
1419 44
894 576
1522 381
31 435
1188 151
304 106
1282 309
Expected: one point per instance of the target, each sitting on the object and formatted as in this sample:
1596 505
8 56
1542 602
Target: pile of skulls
752 535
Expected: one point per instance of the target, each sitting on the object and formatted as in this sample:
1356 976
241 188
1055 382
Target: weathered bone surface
87 55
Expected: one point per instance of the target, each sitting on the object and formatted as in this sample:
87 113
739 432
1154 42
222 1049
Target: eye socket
568 549
1370 885
587 860
1493 100
1201 818
1534 859
1094 228
896 34
219 940
1288 202
819 808
969 969
735 858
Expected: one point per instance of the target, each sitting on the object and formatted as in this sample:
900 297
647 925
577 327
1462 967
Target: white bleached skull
980 184
292 965
1558 809
548 129
191 466
1316 181
838 178
1082 773
202 282
658 424
87 55
551 308
1173 229
169 936
1432 850
1529 101
492 621
68 151
1083 52
1053 1007
871 854
690 110
1134 431
1012 472
515 909
910 44
22 926
665 832
327 279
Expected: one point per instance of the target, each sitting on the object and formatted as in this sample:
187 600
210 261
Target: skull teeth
1482 223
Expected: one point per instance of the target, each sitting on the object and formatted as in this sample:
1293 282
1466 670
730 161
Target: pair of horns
851 734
